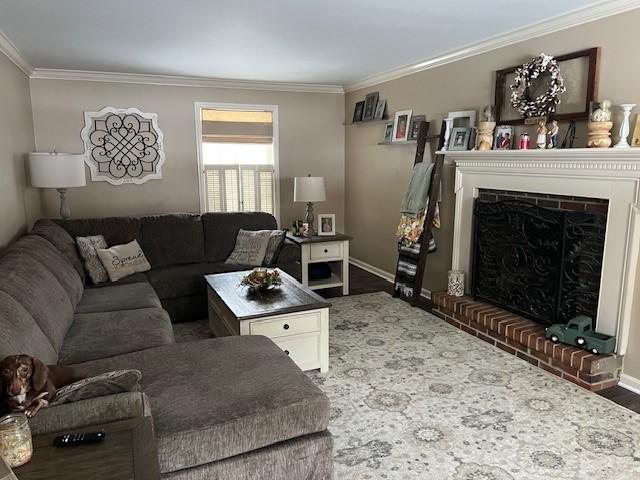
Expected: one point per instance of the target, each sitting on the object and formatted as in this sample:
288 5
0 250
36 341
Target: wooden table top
128 452
291 297
338 237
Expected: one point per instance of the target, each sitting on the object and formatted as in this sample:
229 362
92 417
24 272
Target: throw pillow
276 240
250 248
123 260
118 381
87 247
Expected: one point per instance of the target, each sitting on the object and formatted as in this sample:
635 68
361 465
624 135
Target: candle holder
624 128
455 286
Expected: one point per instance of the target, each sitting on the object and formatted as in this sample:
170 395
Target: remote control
72 439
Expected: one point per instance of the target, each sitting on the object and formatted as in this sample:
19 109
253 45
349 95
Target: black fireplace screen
541 263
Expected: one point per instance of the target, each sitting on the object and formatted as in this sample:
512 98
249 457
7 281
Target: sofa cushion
60 238
250 248
174 239
221 230
21 333
105 334
54 260
213 399
112 298
39 292
116 230
186 280
135 278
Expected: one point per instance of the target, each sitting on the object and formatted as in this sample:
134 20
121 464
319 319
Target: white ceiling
324 42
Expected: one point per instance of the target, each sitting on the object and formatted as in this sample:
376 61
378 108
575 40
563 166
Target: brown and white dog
28 384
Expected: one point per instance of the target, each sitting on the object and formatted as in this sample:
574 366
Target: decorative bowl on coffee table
261 280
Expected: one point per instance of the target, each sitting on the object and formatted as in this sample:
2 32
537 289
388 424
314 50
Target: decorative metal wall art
123 145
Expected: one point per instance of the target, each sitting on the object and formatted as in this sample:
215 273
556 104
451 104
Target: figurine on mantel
600 125
485 128
553 134
541 140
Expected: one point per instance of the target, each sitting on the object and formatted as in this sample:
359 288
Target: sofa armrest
289 253
92 411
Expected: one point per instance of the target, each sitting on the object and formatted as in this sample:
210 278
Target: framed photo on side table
326 224
401 126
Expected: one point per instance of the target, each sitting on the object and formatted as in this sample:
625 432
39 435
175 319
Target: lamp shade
309 189
56 170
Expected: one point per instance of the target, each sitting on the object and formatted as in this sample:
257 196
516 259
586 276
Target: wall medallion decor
579 72
123 145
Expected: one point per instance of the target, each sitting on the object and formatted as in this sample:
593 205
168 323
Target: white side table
331 249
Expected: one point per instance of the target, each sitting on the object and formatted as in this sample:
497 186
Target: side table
331 249
128 452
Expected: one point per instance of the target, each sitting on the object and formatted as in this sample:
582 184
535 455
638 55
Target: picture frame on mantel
580 71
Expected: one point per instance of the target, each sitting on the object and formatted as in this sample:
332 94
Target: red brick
572 206
506 348
577 381
486 338
539 355
550 369
528 358
576 358
453 322
564 367
604 385
468 330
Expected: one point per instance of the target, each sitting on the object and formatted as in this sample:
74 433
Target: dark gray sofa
234 407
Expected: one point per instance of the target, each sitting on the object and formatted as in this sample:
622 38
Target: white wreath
543 104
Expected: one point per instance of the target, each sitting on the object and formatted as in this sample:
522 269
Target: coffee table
294 317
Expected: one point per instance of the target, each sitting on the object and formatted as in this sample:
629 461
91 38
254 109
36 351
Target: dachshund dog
29 384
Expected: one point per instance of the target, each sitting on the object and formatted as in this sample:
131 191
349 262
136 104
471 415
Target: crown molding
181 81
9 49
602 9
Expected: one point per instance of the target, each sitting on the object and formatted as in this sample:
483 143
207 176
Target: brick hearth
525 339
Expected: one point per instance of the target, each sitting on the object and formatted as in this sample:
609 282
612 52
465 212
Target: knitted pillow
108 383
250 248
87 246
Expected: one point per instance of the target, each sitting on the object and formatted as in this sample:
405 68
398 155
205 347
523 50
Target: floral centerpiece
261 280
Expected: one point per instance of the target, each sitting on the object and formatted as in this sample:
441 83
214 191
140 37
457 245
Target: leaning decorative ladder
408 286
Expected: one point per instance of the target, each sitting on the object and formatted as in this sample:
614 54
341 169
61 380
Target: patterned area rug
413 397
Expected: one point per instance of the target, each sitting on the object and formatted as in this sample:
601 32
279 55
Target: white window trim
198 107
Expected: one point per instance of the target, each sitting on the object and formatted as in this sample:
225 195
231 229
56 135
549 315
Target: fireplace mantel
612 174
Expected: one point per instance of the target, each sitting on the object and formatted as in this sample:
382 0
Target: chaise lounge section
233 407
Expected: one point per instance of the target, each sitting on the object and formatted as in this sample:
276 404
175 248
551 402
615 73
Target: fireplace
539 262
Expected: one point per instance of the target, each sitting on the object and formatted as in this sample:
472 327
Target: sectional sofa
223 408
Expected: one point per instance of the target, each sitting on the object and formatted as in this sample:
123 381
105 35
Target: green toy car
578 332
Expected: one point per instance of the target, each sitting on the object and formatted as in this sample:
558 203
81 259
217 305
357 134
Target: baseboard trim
630 383
389 277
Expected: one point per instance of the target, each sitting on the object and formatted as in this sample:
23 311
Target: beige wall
376 176
311 141
19 204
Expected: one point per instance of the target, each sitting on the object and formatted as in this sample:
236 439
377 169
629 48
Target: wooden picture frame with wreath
592 59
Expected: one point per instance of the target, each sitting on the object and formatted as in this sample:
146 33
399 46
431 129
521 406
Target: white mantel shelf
612 174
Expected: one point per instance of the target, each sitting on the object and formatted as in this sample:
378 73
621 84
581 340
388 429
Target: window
237 156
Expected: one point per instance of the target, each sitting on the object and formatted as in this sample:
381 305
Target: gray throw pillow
88 246
108 383
250 248
276 240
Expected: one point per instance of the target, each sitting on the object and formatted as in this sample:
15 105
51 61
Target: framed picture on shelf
401 126
635 138
465 118
580 72
414 127
358 111
388 132
326 224
380 109
503 138
370 104
460 137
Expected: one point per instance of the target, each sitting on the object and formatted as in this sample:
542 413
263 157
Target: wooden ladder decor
412 260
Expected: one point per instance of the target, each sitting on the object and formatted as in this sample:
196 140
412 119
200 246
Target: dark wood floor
362 281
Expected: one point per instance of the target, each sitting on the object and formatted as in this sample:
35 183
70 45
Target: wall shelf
377 120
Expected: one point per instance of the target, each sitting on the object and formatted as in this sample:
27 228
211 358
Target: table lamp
309 189
57 170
